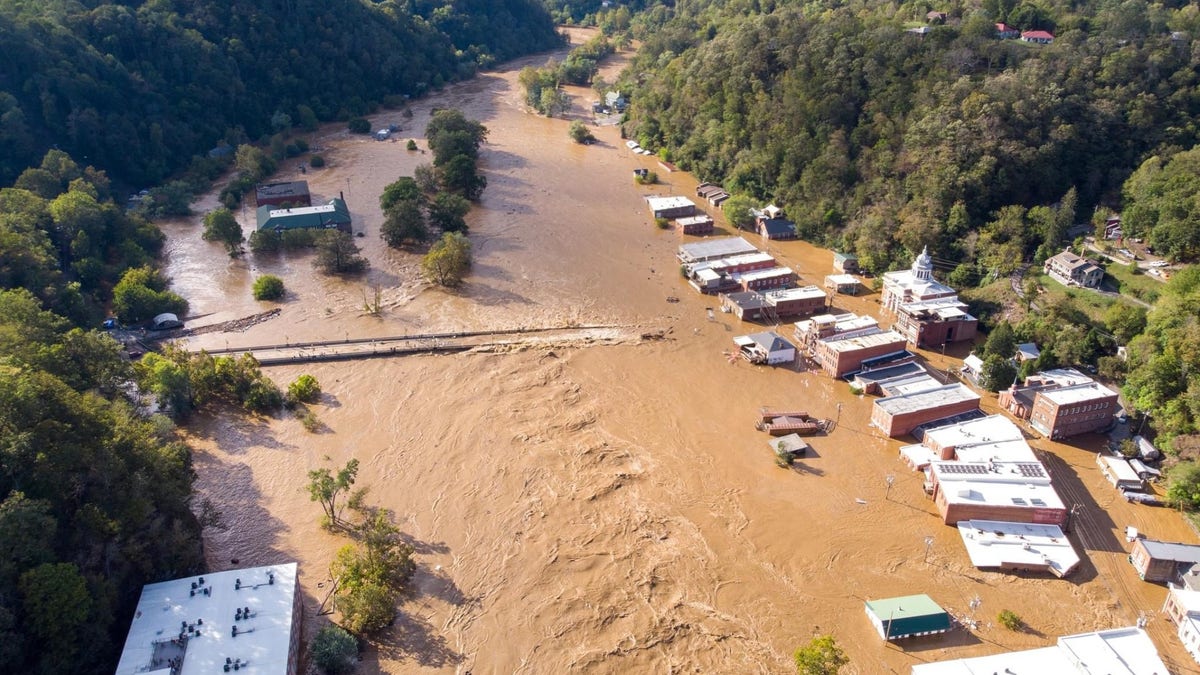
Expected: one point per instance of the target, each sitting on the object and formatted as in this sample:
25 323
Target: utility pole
890 479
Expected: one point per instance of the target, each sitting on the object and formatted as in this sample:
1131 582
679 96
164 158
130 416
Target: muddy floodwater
601 505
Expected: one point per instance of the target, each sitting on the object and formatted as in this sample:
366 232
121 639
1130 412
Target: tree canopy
141 88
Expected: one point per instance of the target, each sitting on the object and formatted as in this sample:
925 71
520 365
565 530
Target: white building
1183 606
1004 546
768 347
1118 651
915 284
205 625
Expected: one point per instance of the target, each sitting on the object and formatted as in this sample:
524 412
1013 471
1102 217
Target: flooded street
606 507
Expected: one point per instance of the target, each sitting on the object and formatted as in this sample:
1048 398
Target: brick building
1162 560
1061 412
897 415
291 193
932 323
840 344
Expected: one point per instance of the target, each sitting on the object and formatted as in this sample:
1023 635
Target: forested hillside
871 134
138 88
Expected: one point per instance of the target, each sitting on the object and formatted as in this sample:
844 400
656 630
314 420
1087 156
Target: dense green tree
448 260
268 287
579 133
142 294
821 656
305 389
737 211
460 175
1002 341
998 373
404 188
404 224
447 212
338 254
1163 203
141 90
449 127
221 226
334 650
1183 484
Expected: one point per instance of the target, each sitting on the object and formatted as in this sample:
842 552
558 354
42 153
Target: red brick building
898 415
1066 411
292 193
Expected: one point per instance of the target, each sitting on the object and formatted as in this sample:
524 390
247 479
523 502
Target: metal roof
333 214
1170 550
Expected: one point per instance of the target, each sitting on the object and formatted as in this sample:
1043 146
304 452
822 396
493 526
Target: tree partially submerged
448 260
338 254
220 226
330 490
822 656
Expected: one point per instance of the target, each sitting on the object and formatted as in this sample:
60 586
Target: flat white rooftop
871 337
662 203
715 248
769 273
801 293
841 279
1079 393
975 432
303 210
910 384
1065 377
1030 473
923 400
694 220
1020 495
211 610
1118 651
1003 451
993 543
734 260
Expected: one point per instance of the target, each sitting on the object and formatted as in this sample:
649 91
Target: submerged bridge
427 343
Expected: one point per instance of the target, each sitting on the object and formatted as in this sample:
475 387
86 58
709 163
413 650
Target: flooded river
593 508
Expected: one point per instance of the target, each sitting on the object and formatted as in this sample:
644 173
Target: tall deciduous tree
338 254
221 226
448 260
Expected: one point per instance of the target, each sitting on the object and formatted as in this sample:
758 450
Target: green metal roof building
326 216
909 616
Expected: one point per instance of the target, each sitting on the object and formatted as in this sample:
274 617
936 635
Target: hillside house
1069 269
1040 37
1007 32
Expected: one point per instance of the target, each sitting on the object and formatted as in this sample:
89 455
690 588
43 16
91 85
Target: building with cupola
928 313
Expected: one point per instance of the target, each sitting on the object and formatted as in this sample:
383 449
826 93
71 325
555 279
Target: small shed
909 616
845 284
1028 351
165 321
846 263
972 367
1117 471
1146 449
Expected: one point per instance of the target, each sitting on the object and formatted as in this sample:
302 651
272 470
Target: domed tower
922 267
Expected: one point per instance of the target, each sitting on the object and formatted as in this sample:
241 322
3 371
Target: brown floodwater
587 507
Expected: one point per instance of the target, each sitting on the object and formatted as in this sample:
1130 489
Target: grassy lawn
1141 286
995 300
1091 303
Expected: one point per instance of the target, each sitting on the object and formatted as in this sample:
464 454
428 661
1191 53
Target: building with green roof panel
333 215
909 616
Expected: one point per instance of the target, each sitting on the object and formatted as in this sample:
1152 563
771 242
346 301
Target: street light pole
928 545
891 478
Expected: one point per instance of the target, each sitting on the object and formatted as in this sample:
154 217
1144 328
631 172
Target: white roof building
915 284
1118 651
714 248
203 625
1018 546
